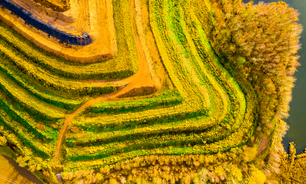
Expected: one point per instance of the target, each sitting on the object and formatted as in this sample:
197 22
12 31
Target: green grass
124 65
99 141
212 107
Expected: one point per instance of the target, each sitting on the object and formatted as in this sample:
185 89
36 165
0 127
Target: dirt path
140 79
146 76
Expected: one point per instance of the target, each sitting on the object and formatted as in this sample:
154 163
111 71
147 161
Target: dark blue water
297 119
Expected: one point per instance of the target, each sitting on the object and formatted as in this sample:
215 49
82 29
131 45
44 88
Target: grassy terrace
203 96
209 120
164 130
42 77
124 65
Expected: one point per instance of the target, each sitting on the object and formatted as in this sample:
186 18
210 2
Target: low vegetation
207 107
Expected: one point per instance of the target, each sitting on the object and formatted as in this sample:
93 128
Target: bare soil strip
262 145
104 45
41 14
65 16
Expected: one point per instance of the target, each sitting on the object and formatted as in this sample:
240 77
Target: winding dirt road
142 78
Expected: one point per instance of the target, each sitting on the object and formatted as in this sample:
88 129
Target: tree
292 152
256 176
3 141
241 60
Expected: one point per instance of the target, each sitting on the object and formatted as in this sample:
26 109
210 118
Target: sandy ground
104 41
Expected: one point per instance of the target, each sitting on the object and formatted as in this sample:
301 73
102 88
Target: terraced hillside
191 91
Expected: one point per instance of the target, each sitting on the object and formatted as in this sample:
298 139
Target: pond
297 119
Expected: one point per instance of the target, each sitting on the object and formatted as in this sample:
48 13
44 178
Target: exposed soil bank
11 172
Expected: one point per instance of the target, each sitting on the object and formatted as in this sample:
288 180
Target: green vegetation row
260 48
26 121
18 60
169 97
272 96
39 89
32 104
17 77
28 72
27 138
225 109
250 117
243 133
31 62
26 129
53 82
124 65
146 142
264 94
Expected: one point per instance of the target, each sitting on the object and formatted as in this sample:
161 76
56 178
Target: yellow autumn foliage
256 176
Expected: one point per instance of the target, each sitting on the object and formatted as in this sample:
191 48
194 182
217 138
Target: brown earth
63 16
37 11
262 145
11 172
104 40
